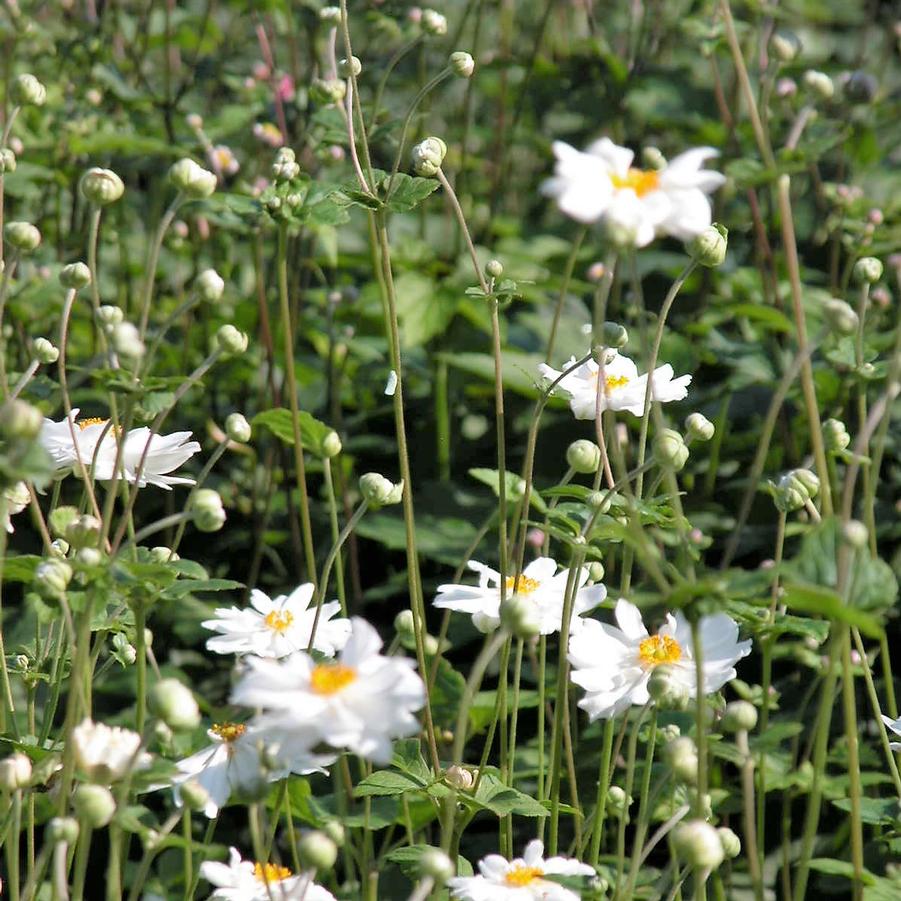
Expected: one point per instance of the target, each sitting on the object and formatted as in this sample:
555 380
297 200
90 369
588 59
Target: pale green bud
45 352
75 275
404 623
699 427
331 445
62 829
868 269
459 777
789 495
285 166
52 577
89 556
110 316
855 533
819 84
331 14
670 450
840 317
328 90
519 615
209 514
810 481
192 179
433 23
335 831
59 548
7 160
26 90
345 69
231 340
162 554
709 247
127 341
730 841
435 864
238 428
699 845
15 772
210 285
94 804
83 531
60 518
583 456
668 692
786 45
600 501
379 491
739 716
653 158
22 235
317 851
682 757
615 335
193 795
175 705
427 156
20 420
835 435
494 268
617 802
462 63
101 186
596 571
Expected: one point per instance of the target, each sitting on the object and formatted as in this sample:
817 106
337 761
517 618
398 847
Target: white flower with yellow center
91 441
623 389
242 880
520 879
277 627
602 183
614 665
223 160
107 754
147 458
360 702
540 583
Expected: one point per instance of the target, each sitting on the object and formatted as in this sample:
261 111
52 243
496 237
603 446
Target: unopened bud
698 843
855 533
7 160
285 167
210 285
583 456
75 275
231 340
668 692
708 247
22 235
520 616
317 851
45 352
653 158
327 91
819 84
331 14
459 777
739 716
835 434
15 772
192 179
331 445
404 623
379 491
127 341
175 705
109 316
238 428
682 757
335 831
26 90
615 335
786 45
810 481
433 23
435 864
840 317
595 571
59 548
193 795
209 514
355 67
62 829
494 268
730 841
617 802
20 420
698 427
94 804
868 269
670 450
52 577
427 156
83 531
462 64
101 186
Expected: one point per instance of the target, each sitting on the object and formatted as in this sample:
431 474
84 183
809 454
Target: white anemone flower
242 880
361 701
239 760
164 453
107 754
624 388
601 183
72 439
16 498
895 726
540 583
614 665
277 627
520 879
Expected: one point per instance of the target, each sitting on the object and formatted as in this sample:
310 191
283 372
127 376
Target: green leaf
500 799
387 782
825 602
877 811
514 484
192 586
833 867
409 191
409 859
20 569
279 421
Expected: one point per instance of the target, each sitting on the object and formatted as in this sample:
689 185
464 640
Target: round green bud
855 533
595 571
615 335
101 186
520 616
682 757
209 514
670 450
331 445
231 340
15 772
193 795
404 623
433 23
819 84
89 556
330 14
20 420
789 494
739 716
698 427
378 491
317 851
730 841
162 554
668 692
52 577
427 156
335 831
175 705
75 275
94 804
840 317
83 531
868 269
708 247
26 90
192 179
494 268
435 864
44 351
785 45
238 428
60 518
583 456
327 91
59 548
835 435
62 829
617 802
210 285
22 235
7 160
810 481
698 844
127 341
354 68
285 167
459 777
462 64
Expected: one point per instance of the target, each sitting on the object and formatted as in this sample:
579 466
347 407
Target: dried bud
22 235
192 179
75 275
101 186
670 450
175 705
379 491
238 428
699 427
317 851
840 317
45 352
708 247
739 716
94 804
698 843
462 63
231 341
26 90
427 156
868 269
210 285
583 456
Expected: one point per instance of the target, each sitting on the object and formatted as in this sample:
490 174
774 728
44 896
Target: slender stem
700 718
153 260
644 811
750 825
140 615
564 288
600 806
851 727
333 521
630 779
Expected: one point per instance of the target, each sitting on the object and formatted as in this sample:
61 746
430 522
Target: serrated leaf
515 486
409 191
279 421
386 782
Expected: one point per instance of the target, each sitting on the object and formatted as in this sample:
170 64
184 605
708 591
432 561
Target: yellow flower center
522 875
279 622
228 731
641 181
521 585
612 382
270 872
330 678
659 649
91 420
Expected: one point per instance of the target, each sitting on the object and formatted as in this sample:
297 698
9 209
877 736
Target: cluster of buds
7 160
328 91
433 23
285 166
795 489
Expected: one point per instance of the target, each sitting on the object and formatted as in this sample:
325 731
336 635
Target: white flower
107 754
613 665
540 583
275 628
624 388
233 763
895 726
164 454
241 880
223 160
519 879
601 183
359 702
17 498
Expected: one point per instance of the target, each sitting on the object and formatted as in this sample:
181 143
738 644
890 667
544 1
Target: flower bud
730 841
22 235
583 456
331 14
840 317
60 518
435 864
355 67
739 716
109 316
404 624
331 445
238 428
335 831
75 275
94 804
19 419
427 156
433 23
15 772
378 491
819 84
520 616
62 829
192 179
59 548
127 341
123 649
653 158
162 554
45 352
231 341
285 166
670 450
789 494
52 577
459 777
810 482
26 90
595 571
668 692
83 531
89 556
175 705
194 121
698 843
7 160
669 732
698 427
210 285
193 795
835 435
327 91
868 269
708 247
617 802
101 186
317 851
615 335
855 533
682 757
462 64
494 268
786 45
861 87
209 514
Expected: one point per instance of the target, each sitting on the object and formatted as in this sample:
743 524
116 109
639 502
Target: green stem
850 711
333 522
140 615
600 806
700 718
153 261
644 810
564 288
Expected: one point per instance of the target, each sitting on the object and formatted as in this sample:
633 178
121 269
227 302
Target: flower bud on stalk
615 335
101 186
193 795
670 450
739 716
345 69
328 90
653 158
23 236
52 577
231 341
192 179
378 491
83 531
7 160
435 864
175 705
699 427
238 428
209 514
583 456
459 777
20 420
462 63
94 804
840 317
75 275
855 533
433 23
317 851
617 802
868 270
494 268
520 616
45 352
331 445
404 623
330 14
210 285
427 156
682 756
668 692
63 829
127 341
730 841
26 90
15 772
835 435
709 247
786 45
